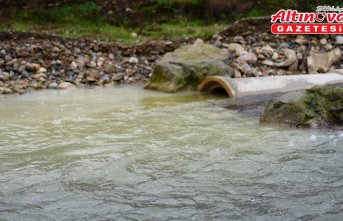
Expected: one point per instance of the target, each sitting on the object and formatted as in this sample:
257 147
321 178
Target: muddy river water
128 154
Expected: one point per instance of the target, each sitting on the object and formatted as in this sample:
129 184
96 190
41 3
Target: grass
107 32
182 29
85 21
255 12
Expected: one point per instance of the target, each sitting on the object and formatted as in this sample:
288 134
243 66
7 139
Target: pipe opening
219 91
215 86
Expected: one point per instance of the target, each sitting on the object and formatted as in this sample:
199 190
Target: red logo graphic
323 21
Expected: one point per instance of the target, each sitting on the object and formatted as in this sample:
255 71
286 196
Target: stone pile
258 55
255 52
29 62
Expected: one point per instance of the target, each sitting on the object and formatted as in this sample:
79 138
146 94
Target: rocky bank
33 61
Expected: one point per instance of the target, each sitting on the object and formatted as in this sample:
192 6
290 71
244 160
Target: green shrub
169 4
165 4
192 2
74 14
88 8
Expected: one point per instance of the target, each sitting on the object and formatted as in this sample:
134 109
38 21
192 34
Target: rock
339 39
77 50
15 66
267 51
316 107
66 85
321 62
217 43
42 70
238 39
187 66
118 77
56 49
261 57
236 48
29 67
91 64
253 72
35 67
290 61
80 61
3 52
17 89
105 79
21 68
328 47
270 72
53 85
168 43
245 68
323 41
133 60
250 39
300 55
73 65
35 85
237 74
109 68
275 56
93 76
284 45
4 76
248 57
7 91
301 39
8 58
25 75
100 61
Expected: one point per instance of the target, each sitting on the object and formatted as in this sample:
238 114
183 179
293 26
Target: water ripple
128 154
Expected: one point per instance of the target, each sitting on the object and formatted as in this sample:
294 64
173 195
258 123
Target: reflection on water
129 154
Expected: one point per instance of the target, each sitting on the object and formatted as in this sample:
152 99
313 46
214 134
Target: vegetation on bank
137 20
108 32
85 20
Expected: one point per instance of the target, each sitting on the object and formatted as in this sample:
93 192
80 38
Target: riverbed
129 154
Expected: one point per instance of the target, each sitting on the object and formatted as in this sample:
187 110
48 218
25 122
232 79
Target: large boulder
316 107
187 66
321 62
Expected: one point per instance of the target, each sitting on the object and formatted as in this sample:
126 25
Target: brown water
130 154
